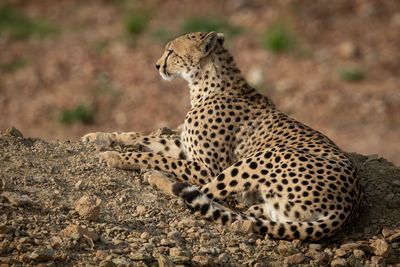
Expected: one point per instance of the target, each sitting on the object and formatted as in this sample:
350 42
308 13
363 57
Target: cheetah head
183 56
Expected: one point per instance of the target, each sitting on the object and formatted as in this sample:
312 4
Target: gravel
45 186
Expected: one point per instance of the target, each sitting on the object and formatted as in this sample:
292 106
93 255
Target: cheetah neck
217 74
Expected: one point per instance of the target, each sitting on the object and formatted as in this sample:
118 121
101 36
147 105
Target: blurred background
69 67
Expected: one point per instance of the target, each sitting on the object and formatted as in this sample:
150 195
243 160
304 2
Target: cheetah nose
158 66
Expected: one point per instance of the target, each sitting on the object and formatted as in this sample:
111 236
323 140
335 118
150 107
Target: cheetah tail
214 211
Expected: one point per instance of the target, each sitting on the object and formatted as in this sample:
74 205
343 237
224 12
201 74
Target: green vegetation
136 22
207 24
82 113
13 65
351 75
162 35
18 26
279 38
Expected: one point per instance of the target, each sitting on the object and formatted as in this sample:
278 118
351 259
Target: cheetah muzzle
235 141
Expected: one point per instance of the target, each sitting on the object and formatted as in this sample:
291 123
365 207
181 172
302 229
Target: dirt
90 61
48 188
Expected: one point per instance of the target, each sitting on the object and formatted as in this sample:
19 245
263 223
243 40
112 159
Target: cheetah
297 182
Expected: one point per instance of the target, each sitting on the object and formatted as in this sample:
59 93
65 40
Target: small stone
176 251
107 263
78 185
121 261
162 224
12 131
76 231
349 247
340 252
164 261
339 262
381 248
201 260
295 259
286 248
17 199
88 207
321 256
377 259
393 237
6 229
42 255
358 253
315 246
174 235
145 235
187 222
139 256
180 259
140 209
388 232
242 226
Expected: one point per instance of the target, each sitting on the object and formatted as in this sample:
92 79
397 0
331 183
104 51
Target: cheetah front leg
163 146
188 171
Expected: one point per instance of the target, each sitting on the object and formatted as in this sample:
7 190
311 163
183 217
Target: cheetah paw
99 138
110 158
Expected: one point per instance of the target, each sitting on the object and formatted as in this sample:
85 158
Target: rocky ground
60 207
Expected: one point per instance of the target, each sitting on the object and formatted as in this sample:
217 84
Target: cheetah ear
209 42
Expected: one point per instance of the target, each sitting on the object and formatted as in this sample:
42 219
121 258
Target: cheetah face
183 56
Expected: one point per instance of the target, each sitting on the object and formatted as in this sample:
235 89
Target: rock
201 260
88 207
3 185
187 222
17 199
349 247
12 131
140 209
286 248
388 232
339 262
78 185
145 235
121 261
315 246
107 263
242 226
164 261
174 235
358 253
5 247
381 248
321 256
377 260
393 237
42 255
294 259
180 259
139 256
76 231
176 251
340 252
6 229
